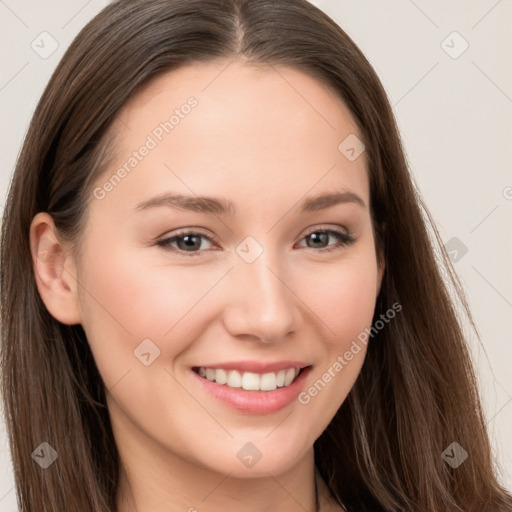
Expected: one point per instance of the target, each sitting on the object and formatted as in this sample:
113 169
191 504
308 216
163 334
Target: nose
260 302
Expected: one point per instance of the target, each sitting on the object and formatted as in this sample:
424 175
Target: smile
253 387
249 381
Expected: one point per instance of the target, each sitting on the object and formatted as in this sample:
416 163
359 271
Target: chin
258 458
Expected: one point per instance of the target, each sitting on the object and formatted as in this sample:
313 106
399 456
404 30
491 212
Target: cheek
129 302
344 298
343 295
125 301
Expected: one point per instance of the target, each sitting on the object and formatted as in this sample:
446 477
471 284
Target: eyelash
345 240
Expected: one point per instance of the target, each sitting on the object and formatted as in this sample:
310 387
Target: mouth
257 392
250 381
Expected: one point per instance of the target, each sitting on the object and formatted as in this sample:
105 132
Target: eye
186 241
189 243
321 237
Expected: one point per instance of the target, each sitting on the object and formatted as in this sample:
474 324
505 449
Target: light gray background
454 115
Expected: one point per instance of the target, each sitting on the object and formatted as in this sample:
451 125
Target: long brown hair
416 393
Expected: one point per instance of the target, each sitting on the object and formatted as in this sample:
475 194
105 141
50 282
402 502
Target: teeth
289 376
251 381
221 376
268 381
248 380
234 379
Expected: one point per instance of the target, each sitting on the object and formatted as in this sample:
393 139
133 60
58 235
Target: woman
172 336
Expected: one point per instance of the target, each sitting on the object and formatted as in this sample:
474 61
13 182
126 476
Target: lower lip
255 402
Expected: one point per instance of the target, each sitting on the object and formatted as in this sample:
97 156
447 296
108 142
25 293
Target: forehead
232 127
264 91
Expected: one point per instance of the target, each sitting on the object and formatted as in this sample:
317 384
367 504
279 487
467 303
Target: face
256 279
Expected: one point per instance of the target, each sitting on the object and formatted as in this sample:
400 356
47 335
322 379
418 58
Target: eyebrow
218 206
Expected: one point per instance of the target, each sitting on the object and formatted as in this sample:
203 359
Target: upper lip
256 366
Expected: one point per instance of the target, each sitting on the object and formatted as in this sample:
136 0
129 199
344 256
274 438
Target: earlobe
55 271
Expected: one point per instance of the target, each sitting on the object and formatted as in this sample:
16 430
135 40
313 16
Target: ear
55 271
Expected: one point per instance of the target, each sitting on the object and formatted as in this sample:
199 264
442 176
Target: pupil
319 237
189 242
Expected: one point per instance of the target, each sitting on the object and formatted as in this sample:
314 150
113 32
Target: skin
264 138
